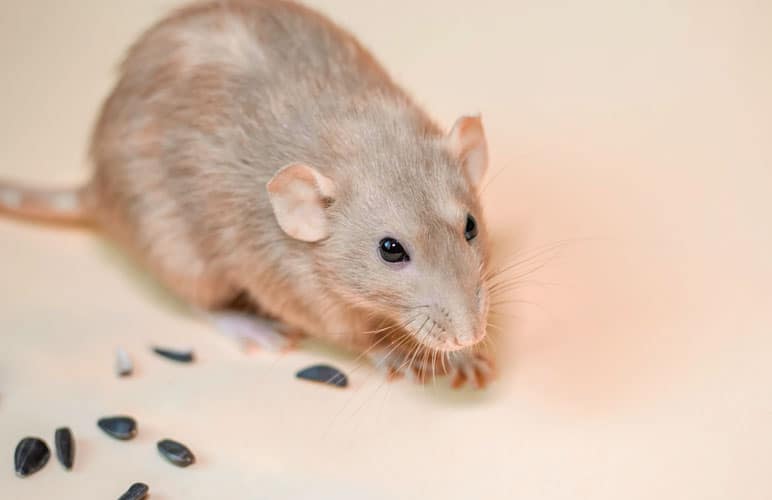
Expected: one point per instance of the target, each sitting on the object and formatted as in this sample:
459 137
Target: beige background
635 133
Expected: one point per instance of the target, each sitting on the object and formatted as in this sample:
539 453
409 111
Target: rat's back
210 103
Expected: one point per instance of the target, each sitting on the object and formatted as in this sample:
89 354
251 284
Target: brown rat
253 151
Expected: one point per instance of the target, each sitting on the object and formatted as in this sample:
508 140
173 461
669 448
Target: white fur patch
250 329
64 202
10 197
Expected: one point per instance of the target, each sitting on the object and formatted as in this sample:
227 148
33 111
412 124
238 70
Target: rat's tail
69 206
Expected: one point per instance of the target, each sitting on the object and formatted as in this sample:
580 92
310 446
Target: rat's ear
299 196
467 142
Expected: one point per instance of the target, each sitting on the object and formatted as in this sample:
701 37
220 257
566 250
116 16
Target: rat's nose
466 339
470 337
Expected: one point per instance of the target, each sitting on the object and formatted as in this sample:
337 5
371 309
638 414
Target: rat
254 153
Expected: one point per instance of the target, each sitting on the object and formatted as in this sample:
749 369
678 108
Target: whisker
531 254
515 301
434 364
491 282
424 370
506 281
493 178
499 313
496 327
378 342
404 340
385 336
415 349
504 292
426 336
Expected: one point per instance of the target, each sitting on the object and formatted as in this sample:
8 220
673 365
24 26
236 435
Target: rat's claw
474 368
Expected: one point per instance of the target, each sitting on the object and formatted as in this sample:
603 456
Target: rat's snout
450 293
454 322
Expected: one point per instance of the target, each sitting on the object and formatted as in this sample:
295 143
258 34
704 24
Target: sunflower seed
176 453
123 364
31 455
137 491
325 374
65 447
119 427
179 356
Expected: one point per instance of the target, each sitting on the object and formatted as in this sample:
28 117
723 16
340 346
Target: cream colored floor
638 134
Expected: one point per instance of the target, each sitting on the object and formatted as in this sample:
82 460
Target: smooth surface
137 491
638 367
64 443
30 456
176 453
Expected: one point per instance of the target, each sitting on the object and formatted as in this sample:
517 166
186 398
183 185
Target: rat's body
253 150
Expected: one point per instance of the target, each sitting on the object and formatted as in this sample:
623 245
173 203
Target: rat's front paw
465 367
474 368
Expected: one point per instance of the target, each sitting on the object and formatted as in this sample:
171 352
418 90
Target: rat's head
400 231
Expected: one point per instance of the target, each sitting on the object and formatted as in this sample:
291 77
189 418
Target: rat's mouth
434 335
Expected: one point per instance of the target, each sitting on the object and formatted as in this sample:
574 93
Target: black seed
31 455
179 356
176 453
325 374
119 427
65 447
137 491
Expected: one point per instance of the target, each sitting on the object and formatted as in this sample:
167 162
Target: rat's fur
211 103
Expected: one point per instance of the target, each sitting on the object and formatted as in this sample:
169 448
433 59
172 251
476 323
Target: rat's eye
470 232
392 252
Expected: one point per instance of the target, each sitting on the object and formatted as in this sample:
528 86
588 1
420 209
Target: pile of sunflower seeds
32 453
